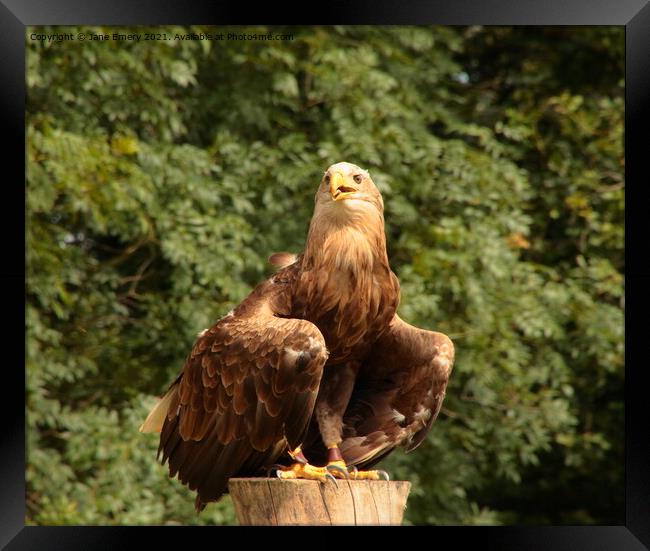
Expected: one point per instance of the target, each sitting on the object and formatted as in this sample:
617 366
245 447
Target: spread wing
398 393
247 389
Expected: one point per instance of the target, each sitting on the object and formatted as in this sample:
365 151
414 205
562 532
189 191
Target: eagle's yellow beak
338 188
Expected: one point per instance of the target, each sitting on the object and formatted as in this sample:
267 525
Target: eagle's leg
337 466
302 469
334 395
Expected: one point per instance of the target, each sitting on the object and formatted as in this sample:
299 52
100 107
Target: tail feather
156 418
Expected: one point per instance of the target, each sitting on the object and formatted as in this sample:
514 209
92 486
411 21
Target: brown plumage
316 355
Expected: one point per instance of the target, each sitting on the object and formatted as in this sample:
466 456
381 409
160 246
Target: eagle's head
347 229
347 190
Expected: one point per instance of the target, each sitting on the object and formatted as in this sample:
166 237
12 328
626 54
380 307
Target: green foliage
161 175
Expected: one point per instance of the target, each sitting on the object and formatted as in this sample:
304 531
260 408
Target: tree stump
274 502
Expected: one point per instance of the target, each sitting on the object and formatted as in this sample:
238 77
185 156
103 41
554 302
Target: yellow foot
305 471
370 475
340 470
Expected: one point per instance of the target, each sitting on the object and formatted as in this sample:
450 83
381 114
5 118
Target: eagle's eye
358 178
327 179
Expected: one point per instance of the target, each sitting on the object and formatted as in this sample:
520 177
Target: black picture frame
634 15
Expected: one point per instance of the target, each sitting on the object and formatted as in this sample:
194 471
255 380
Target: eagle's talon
273 469
305 471
370 475
336 468
298 456
328 476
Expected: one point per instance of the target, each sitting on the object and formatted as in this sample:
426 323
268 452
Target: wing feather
246 390
399 393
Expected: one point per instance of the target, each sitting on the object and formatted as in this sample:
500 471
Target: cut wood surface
274 502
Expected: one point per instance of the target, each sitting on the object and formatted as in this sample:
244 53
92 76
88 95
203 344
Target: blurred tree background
161 175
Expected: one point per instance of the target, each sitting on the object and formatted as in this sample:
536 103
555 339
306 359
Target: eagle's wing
247 389
398 393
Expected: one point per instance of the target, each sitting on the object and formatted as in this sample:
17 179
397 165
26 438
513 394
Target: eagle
313 375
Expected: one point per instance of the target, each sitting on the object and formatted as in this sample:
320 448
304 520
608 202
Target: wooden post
274 502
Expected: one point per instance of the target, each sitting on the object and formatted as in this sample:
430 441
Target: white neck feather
346 238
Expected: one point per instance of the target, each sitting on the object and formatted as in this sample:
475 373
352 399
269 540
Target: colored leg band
334 454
